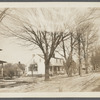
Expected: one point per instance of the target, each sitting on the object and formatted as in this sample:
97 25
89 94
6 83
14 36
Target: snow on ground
61 83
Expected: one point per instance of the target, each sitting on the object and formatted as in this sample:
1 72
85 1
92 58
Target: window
30 68
58 68
33 67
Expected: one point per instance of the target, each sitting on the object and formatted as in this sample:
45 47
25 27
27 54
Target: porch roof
1 62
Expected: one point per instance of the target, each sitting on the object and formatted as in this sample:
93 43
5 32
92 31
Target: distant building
56 65
20 69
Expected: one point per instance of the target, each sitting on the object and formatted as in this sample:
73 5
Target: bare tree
85 36
95 59
46 29
88 39
68 54
45 33
80 29
3 13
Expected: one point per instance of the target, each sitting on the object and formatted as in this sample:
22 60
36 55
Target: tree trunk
69 60
70 72
46 70
86 57
80 68
79 54
68 66
32 73
71 54
86 65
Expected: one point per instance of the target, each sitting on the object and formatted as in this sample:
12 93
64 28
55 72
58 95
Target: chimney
0 49
19 62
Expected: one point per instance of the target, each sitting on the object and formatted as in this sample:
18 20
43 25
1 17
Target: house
37 66
19 69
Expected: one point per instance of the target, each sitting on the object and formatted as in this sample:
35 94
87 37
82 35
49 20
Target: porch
56 70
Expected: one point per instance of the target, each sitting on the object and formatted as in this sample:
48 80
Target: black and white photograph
49 49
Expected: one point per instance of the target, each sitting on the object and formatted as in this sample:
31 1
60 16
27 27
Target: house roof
41 56
1 62
51 57
57 58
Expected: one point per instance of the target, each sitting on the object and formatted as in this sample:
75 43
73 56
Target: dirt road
60 83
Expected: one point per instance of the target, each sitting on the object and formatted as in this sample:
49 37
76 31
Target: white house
56 65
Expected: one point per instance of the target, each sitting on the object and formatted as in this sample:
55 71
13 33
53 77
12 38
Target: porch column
2 70
52 70
58 69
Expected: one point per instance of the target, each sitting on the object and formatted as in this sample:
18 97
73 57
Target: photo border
53 94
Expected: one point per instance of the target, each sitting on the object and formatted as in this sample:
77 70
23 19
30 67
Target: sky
13 53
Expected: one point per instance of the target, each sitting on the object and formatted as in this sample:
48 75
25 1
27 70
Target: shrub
9 70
